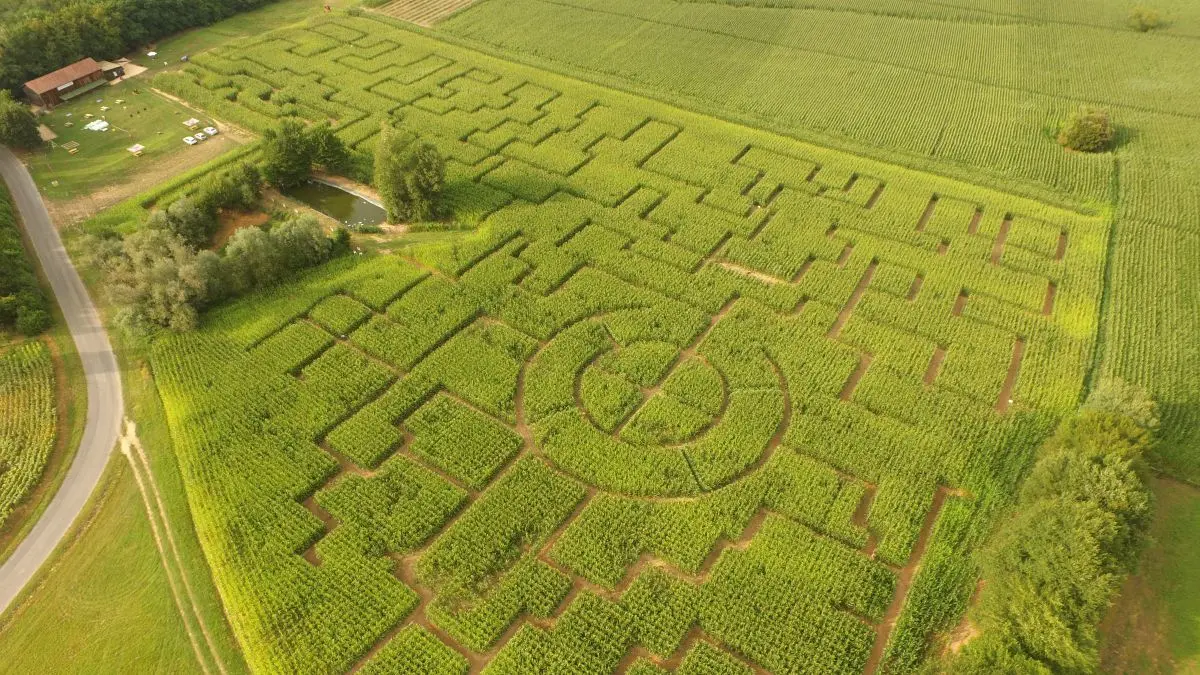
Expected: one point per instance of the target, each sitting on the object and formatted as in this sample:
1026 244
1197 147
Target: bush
1087 130
1144 19
287 154
237 188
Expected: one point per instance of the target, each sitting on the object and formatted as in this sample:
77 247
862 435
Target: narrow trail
883 630
168 552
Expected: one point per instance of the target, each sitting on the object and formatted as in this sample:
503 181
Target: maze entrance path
692 395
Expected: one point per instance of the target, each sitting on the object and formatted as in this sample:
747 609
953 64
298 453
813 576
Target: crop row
28 425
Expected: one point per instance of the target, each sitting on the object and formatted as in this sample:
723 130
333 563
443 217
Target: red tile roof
62 76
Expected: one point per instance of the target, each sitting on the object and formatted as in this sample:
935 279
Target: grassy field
105 604
1155 626
102 158
677 351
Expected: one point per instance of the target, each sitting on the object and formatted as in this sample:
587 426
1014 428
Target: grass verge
103 606
1154 627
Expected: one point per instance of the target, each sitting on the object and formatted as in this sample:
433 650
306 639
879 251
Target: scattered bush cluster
194 218
160 281
1144 19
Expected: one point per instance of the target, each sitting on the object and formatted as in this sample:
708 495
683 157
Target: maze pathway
691 396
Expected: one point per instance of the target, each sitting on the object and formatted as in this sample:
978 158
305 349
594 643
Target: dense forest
40 37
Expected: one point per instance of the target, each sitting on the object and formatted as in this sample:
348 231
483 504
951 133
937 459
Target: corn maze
692 398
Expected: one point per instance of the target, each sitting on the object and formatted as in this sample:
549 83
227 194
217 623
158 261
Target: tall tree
409 174
18 127
287 154
328 150
161 282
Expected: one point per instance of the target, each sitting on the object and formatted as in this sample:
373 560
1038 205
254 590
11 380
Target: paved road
105 405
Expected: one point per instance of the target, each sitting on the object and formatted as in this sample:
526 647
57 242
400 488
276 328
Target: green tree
1116 396
158 281
300 242
187 220
1144 19
1088 130
239 188
328 150
410 175
1052 569
287 155
251 260
18 127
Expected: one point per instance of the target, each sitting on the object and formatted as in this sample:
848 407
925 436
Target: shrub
1144 19
287 154
1087 130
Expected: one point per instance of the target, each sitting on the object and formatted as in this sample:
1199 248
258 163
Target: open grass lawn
104 606
1155 625
142 117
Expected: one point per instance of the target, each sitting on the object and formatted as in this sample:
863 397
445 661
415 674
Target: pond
346 208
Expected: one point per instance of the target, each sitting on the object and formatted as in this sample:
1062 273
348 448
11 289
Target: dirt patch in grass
229 222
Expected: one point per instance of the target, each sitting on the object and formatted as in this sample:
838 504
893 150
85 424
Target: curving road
105 404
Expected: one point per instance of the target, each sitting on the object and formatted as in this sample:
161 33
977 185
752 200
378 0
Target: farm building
112 70
65 84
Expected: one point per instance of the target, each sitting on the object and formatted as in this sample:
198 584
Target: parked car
189 140
211 131
199 136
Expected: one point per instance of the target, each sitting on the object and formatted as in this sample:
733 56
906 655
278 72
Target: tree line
1079 526
23 305
43 39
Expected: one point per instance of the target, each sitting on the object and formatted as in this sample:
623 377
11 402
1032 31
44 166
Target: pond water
336 203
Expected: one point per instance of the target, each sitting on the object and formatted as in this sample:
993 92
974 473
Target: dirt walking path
168 552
